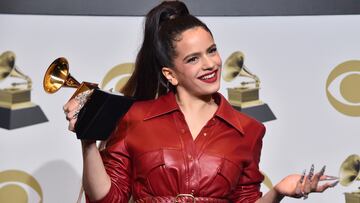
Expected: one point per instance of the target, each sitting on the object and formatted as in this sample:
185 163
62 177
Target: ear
170 75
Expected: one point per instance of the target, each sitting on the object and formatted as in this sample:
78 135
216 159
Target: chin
212 90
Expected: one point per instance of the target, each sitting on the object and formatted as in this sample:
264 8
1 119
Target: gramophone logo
343 88
245 97
349 173
16 108
20 187
116 78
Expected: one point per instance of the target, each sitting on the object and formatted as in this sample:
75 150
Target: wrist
277 194
88 144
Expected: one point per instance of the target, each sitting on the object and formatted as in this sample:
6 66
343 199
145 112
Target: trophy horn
234 66
58 75
350 170
9 69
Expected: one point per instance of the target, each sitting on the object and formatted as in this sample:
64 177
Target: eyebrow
198 53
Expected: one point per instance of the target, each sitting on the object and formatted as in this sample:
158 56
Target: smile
210 77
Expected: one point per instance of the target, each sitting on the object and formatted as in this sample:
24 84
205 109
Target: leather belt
180 198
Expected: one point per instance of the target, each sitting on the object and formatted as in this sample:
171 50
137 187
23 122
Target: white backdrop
292 56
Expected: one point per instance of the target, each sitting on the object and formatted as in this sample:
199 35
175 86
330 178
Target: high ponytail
163 24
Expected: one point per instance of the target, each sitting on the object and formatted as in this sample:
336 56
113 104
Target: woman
182 141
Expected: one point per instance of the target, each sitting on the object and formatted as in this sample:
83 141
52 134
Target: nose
208 63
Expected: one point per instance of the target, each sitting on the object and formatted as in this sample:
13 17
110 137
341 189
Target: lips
209 77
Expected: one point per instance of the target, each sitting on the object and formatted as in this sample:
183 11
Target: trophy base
353 197
260 112
100 115
243 94
14 95
21 117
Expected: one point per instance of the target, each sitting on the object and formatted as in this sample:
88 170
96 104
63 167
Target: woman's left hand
298 186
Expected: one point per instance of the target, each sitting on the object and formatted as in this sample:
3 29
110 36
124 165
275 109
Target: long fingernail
322 171
311 172
334 184
302 176
305 196
331 178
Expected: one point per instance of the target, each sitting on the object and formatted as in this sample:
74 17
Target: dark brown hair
163 26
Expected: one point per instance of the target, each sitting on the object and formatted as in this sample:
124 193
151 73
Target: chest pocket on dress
157 172
148 161
220 177
145 168
231 172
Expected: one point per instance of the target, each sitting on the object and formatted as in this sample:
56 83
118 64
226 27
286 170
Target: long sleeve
117 163
248 187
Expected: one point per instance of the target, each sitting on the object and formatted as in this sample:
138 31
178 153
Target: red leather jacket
153 157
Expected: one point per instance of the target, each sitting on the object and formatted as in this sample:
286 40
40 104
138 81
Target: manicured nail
334 184
322 171
331 178
311 172
302 176
305 196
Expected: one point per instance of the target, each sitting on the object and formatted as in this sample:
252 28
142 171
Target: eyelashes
211 51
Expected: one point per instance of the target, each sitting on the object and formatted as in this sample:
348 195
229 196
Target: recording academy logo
16 108
343 88
245 98
20 187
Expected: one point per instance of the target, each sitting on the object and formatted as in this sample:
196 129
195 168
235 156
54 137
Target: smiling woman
181 141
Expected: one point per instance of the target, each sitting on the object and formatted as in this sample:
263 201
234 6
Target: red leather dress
153 157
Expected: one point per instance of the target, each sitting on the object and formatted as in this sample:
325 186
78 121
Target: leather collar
167 103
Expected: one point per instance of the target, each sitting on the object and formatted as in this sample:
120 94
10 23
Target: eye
17 186
342 88
213 50
192 60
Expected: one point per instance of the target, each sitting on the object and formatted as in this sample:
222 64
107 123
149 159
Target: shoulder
249 123
153 108
139 109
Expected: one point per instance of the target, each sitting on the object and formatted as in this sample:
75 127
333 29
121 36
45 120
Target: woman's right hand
73 107
71 110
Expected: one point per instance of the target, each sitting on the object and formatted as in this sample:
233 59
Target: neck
188 102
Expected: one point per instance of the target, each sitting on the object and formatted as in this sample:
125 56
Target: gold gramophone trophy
16 108
245 98
100 114
350 172
57 76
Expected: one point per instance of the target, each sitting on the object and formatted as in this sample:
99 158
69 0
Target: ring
76 114
83 97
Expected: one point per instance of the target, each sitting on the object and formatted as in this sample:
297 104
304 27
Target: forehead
194 40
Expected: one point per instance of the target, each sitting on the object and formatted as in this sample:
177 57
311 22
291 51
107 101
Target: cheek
218 60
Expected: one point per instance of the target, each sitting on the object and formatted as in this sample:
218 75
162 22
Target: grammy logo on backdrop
245 98
16 108
350 172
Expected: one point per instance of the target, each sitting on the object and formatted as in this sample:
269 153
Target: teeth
208 76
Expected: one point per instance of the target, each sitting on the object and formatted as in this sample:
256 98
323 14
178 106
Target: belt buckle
184 195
